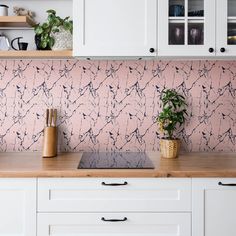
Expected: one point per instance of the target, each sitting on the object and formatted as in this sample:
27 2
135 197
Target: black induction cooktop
115 160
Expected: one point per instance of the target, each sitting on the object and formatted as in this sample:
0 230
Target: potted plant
171 117
55 33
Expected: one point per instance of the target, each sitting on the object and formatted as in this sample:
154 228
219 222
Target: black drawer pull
114 220
114 184
221 184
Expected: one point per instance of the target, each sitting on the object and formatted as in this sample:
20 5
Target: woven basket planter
169 148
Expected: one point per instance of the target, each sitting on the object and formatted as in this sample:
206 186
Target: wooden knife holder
50 142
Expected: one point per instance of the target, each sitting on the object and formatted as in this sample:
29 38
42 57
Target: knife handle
55 117
50 117
47 117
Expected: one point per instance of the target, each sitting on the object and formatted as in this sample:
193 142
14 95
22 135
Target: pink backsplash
113 105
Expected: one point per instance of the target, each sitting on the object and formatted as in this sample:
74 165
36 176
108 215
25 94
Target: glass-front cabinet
186 27
226 28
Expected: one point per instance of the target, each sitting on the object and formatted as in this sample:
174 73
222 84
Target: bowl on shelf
232 40
232 36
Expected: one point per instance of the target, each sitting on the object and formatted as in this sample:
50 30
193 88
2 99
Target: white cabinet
17 207
186 27
214 207
115 28
114 224
197 28
226 28
114 195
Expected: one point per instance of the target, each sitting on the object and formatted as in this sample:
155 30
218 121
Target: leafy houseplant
45 32
172 116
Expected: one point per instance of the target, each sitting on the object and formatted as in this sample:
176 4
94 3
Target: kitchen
107 91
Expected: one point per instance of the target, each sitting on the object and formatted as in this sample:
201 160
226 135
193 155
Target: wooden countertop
65 165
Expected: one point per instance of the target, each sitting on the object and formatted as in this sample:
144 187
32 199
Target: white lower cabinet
214 207
114 224
17 207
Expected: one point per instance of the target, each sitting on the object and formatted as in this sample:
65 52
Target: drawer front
106 195
91 224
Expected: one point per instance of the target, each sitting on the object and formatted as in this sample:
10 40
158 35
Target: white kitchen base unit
117 207
114 224
214 207
114 195
17 207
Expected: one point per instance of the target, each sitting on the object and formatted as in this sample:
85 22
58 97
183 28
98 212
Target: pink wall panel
112 105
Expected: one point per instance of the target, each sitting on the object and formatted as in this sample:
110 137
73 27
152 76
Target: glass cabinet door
190 27
226 27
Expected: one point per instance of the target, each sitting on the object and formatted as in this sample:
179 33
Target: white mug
3 10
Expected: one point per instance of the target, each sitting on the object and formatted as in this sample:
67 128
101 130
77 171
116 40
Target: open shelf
189 19
16 21
36 54
231 19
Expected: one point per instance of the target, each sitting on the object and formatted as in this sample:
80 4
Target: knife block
50 142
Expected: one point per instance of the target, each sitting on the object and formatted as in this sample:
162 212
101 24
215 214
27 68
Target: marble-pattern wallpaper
113 105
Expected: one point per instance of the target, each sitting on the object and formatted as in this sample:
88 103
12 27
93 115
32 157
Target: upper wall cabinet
226 28
115 28
186 27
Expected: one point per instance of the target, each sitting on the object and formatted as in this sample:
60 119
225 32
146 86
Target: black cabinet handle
114 220
211 50
221 184
222 50
115 184
151 50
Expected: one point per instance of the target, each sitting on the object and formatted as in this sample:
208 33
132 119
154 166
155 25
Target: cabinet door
115 28
17 207
226 27
123 224
186 27
214 207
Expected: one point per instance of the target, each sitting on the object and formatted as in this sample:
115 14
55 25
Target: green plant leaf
43 44
51 42
55 30
45 25
38 30
67 25
53 12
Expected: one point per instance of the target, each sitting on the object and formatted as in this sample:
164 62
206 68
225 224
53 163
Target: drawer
91 224
114 195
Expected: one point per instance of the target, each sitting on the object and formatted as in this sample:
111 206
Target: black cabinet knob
211 50
151 50
222 50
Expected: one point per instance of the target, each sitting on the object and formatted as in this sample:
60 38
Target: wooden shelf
16 21
36 54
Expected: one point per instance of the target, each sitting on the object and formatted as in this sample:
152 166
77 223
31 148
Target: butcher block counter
65 165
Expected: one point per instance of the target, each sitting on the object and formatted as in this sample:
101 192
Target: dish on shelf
176 10
196 13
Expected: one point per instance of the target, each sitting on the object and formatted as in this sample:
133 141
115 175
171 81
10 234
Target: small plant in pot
171 117
55 33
